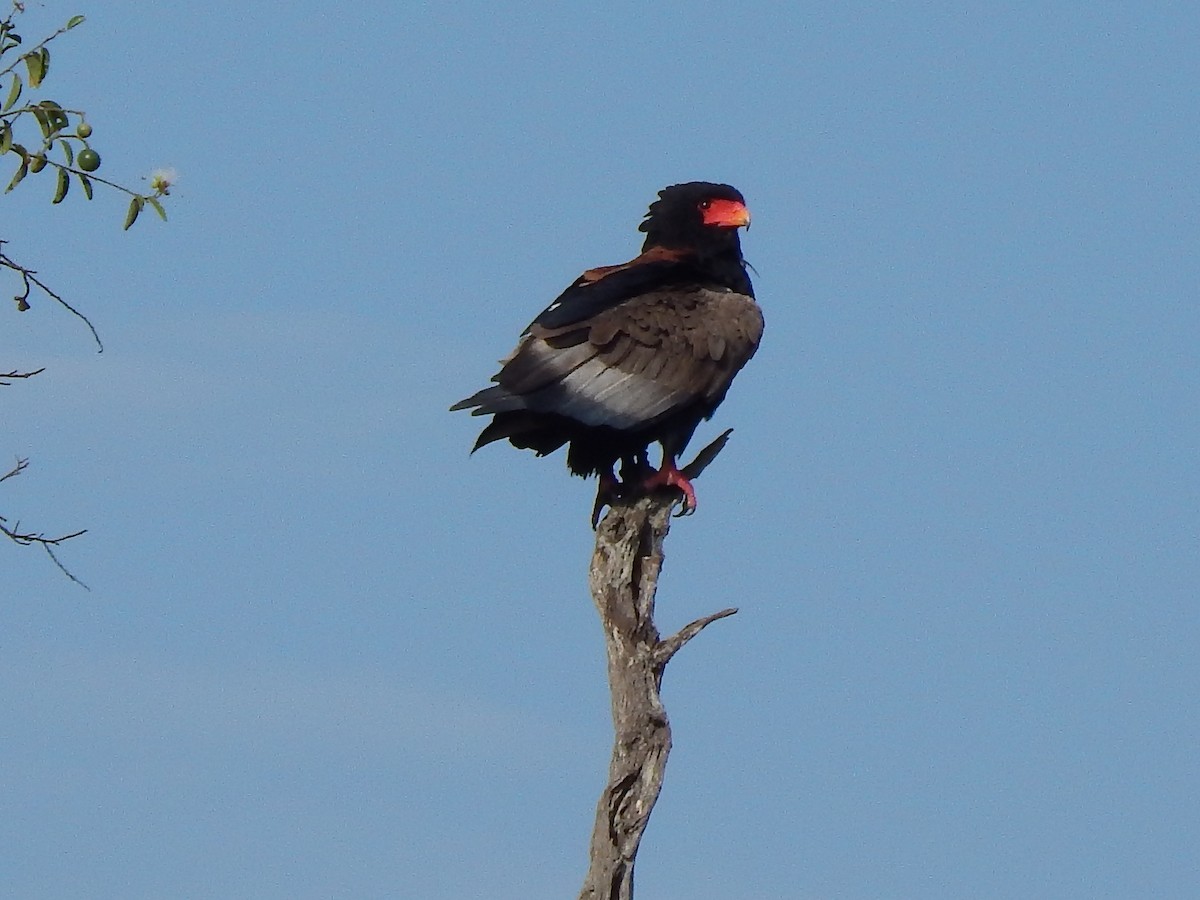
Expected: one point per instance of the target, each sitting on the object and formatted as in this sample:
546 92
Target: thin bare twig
29 538
15 374
16 470
30 280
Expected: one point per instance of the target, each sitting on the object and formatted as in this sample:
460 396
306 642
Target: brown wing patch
604 330
654 254
716 346
693 342
641 361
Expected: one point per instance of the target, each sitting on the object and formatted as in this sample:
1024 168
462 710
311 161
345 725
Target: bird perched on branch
635 353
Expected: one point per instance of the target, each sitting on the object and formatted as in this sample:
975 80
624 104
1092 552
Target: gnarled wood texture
623 579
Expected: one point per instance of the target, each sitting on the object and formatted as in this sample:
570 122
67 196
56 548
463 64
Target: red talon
670 476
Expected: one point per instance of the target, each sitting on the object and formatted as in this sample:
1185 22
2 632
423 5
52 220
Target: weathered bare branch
672 645
707 455
623 579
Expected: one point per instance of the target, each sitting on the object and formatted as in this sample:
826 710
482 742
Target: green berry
88 160
37 163
84 130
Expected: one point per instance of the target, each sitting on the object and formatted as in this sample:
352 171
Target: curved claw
670 476
606 492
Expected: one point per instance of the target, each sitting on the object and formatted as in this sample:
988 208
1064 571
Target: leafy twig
20 7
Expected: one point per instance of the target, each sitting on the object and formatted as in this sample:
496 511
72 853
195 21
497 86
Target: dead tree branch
29 538
30 280
5 377
623 579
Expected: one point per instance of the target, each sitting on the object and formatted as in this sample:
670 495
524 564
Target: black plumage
635 353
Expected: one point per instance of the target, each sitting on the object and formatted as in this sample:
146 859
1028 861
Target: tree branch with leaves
54 121
40 134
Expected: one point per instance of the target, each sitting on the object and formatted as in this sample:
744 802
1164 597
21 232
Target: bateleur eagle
635 353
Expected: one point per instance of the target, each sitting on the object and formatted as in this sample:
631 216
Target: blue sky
326 654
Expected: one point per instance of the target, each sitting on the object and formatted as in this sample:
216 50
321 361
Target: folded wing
628 367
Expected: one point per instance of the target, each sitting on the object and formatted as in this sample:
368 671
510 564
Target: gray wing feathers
632 365
536 364
597 394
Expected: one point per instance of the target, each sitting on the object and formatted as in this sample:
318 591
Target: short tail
513 420
524 430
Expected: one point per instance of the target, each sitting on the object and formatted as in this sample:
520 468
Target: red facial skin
725 213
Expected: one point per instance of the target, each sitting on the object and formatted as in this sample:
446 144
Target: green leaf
14 93
5 138
64 183
58 119
43 120
9 39
22 171
68 153
158 207
37 71
135 207
73 21
85 183
50 117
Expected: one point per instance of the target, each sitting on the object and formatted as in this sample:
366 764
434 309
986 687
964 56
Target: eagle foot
669 476
639 479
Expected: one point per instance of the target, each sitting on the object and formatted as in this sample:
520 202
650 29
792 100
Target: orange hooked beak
727 214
